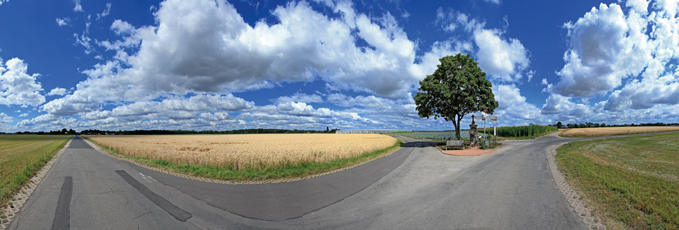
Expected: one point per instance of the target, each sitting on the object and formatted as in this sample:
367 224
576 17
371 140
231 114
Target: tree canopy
458 87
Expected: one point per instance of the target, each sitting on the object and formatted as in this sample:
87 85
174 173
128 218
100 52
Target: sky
218 65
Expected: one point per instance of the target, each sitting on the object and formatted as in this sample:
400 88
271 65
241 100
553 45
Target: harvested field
247 151
632 182
613 131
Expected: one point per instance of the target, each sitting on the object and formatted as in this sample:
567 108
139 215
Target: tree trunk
456 121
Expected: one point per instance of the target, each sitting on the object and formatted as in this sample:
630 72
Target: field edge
613 134
221 175
582 176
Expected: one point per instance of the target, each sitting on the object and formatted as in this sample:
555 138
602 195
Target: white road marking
148 179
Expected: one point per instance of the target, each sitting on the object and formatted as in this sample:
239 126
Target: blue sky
220 65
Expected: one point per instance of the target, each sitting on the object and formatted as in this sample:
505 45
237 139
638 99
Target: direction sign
492 118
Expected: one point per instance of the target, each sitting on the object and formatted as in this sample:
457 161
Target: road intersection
416 187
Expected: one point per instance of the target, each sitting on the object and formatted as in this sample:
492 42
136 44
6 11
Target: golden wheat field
612 131
248 150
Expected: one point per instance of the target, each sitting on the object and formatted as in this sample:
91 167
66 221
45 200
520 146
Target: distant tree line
51 132
595 125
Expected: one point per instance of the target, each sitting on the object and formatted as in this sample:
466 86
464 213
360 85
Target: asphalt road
416 187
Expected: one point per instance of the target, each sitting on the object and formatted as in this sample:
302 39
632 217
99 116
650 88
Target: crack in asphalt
143 214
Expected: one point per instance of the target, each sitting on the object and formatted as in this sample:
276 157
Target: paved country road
416 187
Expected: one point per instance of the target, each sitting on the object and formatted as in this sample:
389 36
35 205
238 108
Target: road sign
492 118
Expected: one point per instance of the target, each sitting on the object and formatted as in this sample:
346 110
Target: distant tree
64 131
559 125
458 87
603 125
71 131
327 129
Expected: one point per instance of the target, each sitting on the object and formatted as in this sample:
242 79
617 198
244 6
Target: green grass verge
289 170
21 157
632 182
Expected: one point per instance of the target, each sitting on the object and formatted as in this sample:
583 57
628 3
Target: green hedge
523 131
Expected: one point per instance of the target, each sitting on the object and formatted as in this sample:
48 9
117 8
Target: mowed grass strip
21 156
614 131
631 181
252 157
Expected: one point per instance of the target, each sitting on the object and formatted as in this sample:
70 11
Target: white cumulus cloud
205 43
57 91
63 21
513 108
206 47
17 87
78 7
502 59
630 55
599 48
4 118
566 110
493 1
104 13
299 97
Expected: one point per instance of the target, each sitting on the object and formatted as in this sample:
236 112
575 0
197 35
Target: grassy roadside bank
632 182
21 156
288 170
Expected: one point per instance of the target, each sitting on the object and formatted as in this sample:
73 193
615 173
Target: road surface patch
170 208
63 213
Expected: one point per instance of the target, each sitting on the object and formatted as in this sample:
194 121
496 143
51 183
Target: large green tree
458 87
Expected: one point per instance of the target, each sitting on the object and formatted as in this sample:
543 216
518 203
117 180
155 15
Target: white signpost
485 117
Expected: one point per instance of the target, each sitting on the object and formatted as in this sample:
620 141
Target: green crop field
632 182
524 131
21 156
